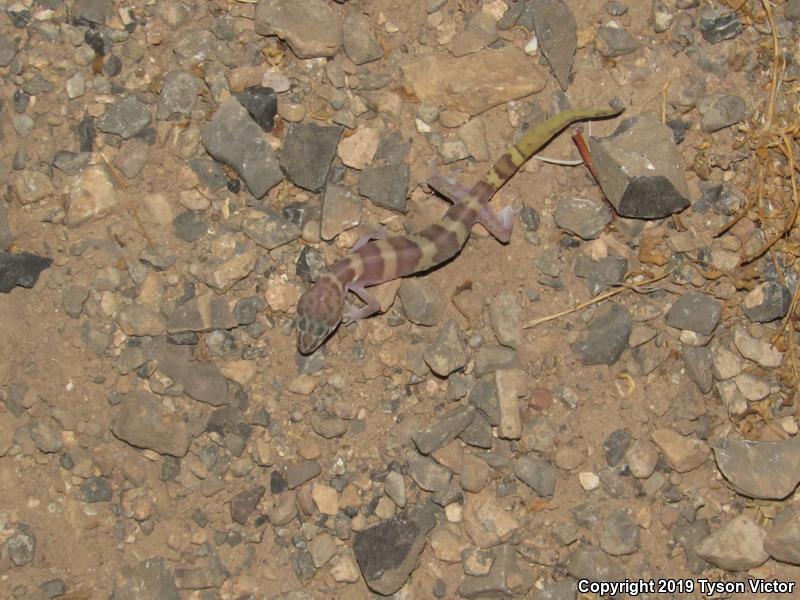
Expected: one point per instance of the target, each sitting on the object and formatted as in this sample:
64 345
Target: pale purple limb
499 225
447 187
375 234
354 314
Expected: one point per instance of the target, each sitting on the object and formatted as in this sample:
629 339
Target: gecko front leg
354 314
500 224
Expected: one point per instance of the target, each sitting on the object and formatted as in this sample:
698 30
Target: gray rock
688 536
505 577
791 10
8 50
386 186
491 358
96 340
696 312
308 152
448 352
783 539
605 338
311 28
478 434
387 553
233 138
395 488
698 364
718 111
91 11
719 23
505 317
201 381
144 422
615 41
620 535
197 46
557 32
640 169
767 302
736 546
190 226
95 489
244 503
270 229
595 565
21 546
125 118
615 446
559 590
328 426
428 474
53 587
302 565
178 96
148 579
201 314
585 218
423 303
229 423
765 470
21 270
601 274
262 104
359 42
45 437
537 473
483 396
298 473
444 430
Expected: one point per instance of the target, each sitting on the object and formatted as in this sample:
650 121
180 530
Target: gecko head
318 313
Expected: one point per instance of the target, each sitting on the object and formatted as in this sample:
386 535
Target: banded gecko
376 258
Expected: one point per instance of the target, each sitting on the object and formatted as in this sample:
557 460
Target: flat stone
201 314
681 453
140 320
178 96
601 274
474 473
92 196
270 229
326 499
585 218
698 363
641 458
234 138
148 579
759 351
696 312
783 539
95 489
764 470
359 42
505 317
718 111
767 302
736 546
126 118
311 28
448 546
21 546
605 338
537 473
428 474
322 548
244 503
511 385
718 24
387 553
261 104
448 352
298 473
444 430
308 152
473 83
689 536
423 302
640 169
505 577
620 535
615 41
386 186
144 422
594 565
487 523
341 210
201 381
21 270
557 33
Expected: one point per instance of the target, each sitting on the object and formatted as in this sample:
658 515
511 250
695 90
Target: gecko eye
320 328
302 322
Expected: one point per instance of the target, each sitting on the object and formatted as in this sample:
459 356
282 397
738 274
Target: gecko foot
352 314
499 225
375 234
447 187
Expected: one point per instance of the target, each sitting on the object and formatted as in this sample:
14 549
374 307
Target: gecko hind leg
354 314
447 187
499 225
375 234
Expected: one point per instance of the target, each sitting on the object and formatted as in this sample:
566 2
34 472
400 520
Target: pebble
298 473
759 351
682 453
358 40
505 317
178 96
149 578
783 539
311 28
505 577
718 24
307 154
615 41
326 499
444 430
641 458
386 186
447 546
487 523
344 568
126 118
341 210
387 553
718 111
447 353
95 489
428 474
620 535
21 546
557 34
605 338
767 302
261 103
737 546
585 218
589 481
244 503
698 362
510 385
143 421
322 548
395 488
725 364
474 473
696 312
537 473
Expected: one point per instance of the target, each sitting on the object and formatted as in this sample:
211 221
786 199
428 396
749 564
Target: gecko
377 258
